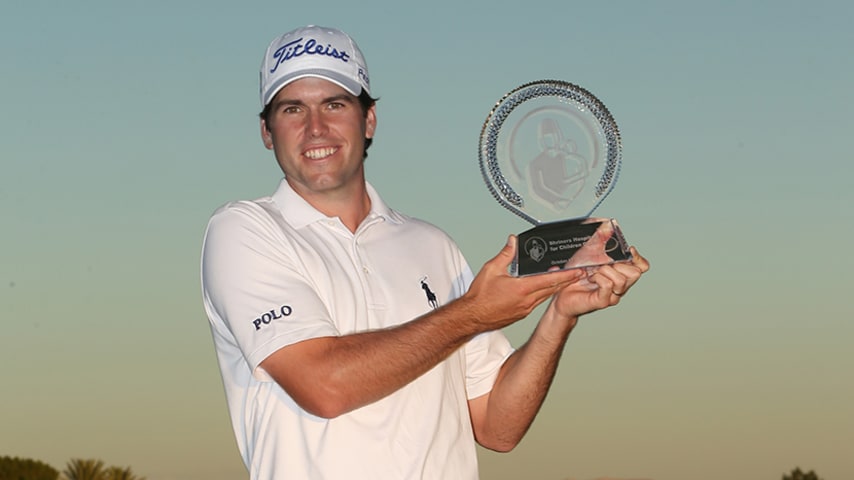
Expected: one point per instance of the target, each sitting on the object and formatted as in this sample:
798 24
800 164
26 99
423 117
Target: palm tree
118 473
79 469
797 474
17 468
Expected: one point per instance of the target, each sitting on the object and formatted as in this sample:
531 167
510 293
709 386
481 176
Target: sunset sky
125 124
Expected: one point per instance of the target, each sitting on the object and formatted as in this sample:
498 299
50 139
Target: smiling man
353 340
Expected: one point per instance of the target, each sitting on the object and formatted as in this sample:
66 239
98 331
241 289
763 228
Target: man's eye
335 105
291 109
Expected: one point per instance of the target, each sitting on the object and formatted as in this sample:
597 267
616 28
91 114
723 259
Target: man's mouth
320 153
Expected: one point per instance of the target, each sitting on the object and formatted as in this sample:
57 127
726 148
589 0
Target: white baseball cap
313 51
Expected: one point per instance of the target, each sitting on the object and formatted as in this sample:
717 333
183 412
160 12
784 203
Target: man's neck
351 205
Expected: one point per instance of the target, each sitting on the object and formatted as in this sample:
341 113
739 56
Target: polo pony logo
431 297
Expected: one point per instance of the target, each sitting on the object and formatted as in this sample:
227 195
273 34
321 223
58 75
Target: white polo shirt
275 271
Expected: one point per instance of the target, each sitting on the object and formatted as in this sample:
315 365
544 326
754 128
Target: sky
126 124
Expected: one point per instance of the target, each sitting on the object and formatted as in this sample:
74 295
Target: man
336 359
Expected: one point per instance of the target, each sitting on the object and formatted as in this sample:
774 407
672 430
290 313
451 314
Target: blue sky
125 124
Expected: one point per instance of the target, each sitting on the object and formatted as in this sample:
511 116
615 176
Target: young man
353 340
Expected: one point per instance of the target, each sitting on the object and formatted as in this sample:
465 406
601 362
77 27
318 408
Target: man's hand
500 299
604 286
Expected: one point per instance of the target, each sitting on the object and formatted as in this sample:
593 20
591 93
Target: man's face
317 131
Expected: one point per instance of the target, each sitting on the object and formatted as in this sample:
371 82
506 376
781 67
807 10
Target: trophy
550 153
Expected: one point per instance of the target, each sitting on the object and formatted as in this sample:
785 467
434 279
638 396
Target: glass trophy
550 152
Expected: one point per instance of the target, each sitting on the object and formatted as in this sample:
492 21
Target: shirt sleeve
485 354
253 290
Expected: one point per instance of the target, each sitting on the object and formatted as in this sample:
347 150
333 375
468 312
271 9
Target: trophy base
562 245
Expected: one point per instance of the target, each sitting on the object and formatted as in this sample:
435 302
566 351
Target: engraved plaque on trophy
550 152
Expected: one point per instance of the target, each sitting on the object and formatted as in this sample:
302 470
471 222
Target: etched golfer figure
550 153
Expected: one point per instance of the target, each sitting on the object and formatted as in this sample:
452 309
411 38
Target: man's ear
266 136
371 122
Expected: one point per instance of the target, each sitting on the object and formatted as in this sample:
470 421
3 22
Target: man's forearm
522 385
340 374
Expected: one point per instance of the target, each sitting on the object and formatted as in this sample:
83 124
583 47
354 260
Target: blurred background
125 124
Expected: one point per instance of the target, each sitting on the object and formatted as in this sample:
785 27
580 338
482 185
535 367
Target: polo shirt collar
299 213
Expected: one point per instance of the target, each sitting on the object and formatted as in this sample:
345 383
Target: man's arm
501 417
330 376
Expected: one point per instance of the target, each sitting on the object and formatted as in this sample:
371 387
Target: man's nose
316 124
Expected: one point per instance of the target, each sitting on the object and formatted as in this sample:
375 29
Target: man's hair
365 101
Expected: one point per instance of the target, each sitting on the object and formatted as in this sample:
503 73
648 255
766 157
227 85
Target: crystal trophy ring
550 152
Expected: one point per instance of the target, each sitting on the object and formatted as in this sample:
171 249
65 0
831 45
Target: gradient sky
125 124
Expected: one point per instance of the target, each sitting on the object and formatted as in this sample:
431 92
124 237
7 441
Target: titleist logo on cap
296 49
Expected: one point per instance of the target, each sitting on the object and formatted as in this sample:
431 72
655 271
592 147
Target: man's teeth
319 153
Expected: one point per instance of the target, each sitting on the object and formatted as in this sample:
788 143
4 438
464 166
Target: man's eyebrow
286 101
339 98
343 97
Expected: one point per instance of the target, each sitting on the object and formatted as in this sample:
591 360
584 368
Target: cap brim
342 81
